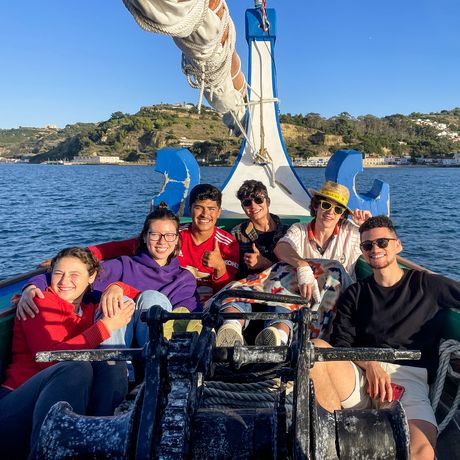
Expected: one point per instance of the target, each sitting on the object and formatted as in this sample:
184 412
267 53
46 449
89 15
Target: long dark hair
83 254
159 213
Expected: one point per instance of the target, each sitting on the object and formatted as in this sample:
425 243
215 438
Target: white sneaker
228 335
269 337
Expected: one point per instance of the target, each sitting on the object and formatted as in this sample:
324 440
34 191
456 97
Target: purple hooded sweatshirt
143 273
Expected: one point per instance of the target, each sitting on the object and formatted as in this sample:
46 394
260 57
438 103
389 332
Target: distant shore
145 163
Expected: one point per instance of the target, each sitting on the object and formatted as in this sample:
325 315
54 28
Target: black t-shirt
246 235
406 316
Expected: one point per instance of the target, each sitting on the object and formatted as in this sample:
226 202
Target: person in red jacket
64 322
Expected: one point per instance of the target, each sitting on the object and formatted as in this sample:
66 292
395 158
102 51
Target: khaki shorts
415 400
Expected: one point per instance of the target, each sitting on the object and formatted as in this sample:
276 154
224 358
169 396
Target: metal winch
199 401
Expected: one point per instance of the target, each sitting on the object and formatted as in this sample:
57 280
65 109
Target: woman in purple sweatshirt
155 270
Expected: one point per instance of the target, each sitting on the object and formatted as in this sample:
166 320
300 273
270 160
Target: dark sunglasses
382 243
326 205
259 199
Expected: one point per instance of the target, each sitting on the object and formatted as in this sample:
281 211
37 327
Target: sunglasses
382 243
326 205
259 199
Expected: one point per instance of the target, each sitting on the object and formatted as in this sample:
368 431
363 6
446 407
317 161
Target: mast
263 155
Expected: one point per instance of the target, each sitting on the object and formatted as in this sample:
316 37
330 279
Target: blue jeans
136 329
90 388
246 307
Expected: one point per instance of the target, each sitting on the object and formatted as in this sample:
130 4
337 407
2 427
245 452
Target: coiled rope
448 350
237 395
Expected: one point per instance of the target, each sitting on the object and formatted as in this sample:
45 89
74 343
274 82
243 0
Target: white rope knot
448 350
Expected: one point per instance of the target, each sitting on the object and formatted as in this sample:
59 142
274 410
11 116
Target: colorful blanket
281 278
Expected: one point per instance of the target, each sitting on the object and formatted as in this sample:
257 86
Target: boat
239 402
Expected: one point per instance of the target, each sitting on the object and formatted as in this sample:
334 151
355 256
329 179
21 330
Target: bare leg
233 310
282 327
334 380
422 439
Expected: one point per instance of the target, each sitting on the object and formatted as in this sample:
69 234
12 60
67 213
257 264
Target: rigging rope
169 20
448 350
207 40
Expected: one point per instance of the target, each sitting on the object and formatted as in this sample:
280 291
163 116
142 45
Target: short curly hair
377 222
250 188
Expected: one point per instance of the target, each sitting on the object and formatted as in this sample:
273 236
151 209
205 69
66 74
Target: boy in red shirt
210 253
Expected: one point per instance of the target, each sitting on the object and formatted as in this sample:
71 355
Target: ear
92 277
218 212
398 246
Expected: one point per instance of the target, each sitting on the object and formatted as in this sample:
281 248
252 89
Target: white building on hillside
373 161
96 160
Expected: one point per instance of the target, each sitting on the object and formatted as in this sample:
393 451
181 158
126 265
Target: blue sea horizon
44 208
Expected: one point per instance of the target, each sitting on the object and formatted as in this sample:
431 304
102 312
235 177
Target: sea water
44 208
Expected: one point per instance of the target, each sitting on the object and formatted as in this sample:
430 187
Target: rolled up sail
205 33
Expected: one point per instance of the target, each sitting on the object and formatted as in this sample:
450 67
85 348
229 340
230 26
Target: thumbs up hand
213 259
255 260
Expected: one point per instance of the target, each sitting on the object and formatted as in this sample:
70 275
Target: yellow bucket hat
333 191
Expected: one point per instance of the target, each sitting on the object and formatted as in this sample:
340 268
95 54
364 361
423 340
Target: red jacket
55 327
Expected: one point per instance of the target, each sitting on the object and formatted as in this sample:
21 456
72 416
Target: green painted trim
451 323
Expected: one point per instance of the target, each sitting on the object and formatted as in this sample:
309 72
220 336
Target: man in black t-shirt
394 308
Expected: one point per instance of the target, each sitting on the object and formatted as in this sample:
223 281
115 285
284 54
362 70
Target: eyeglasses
382 243
156 236
326 205
258 199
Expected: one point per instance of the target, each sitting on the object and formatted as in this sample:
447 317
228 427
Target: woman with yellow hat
330 235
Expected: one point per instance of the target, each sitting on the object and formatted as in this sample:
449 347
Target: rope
185 24
237 395
265 21
213 66
449 349
252 386
218 402
198 33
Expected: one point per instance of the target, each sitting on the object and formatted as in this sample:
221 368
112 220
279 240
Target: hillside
137 137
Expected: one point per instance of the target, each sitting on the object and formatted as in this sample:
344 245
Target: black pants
90 388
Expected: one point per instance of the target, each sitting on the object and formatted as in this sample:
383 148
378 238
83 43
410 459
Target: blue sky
64 61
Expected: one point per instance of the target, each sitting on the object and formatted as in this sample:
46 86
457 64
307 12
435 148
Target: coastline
150 163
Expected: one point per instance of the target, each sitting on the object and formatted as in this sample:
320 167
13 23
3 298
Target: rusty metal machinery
198 401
